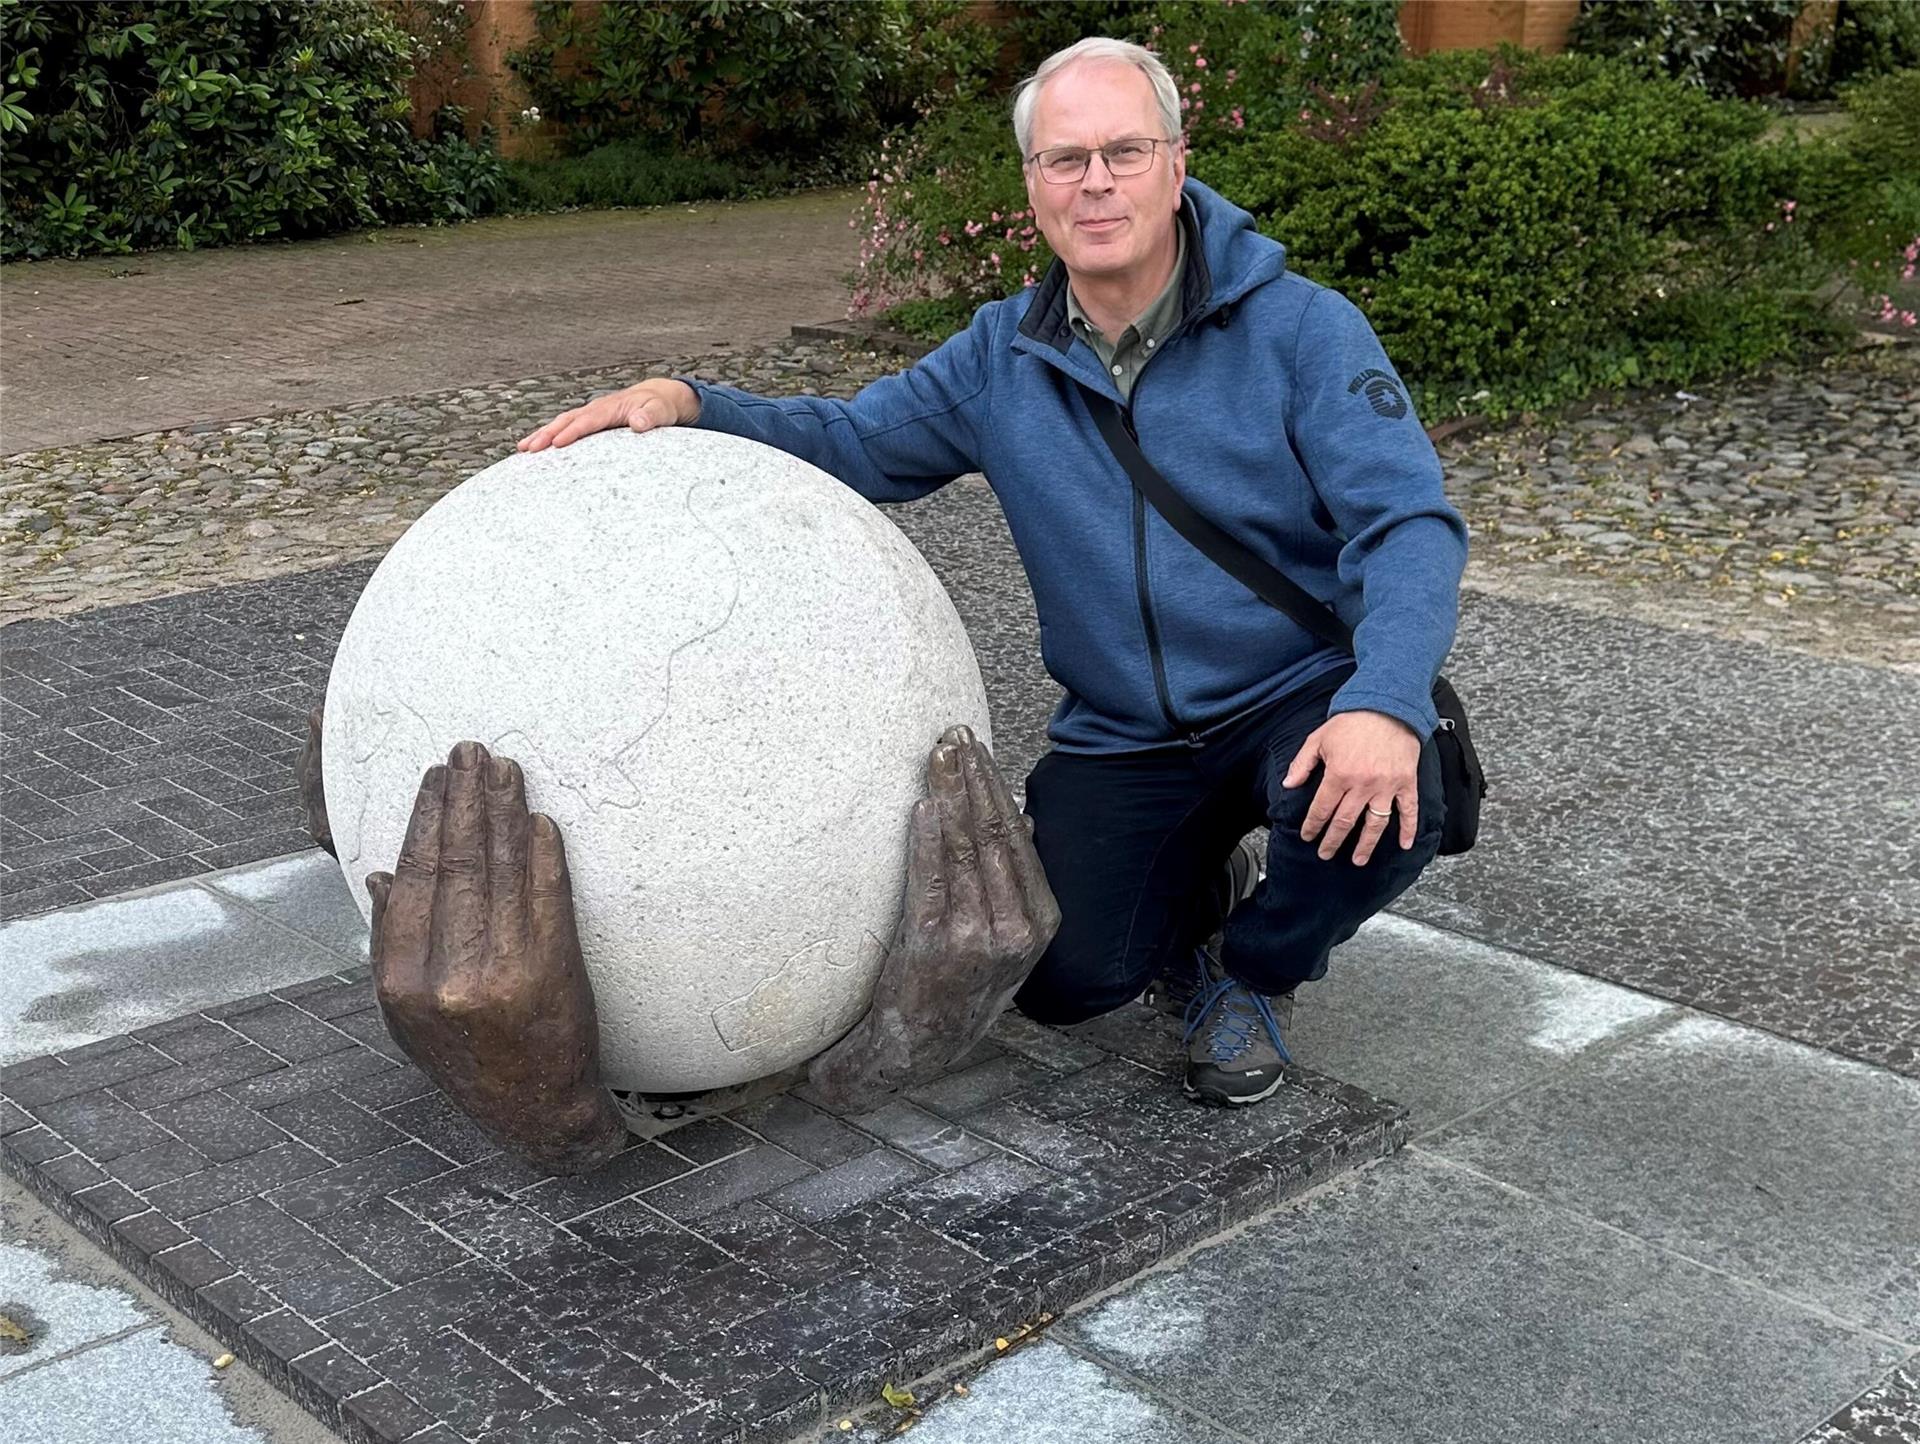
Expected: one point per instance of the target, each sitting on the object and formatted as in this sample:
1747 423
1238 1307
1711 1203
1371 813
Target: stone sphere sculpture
721 671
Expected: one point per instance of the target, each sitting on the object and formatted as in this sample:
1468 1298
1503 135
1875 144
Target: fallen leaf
999 1343
223 1361
1046 1318
846 1424
899 1398
12 1332
961 1390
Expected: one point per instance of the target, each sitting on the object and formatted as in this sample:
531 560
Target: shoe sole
1224 1100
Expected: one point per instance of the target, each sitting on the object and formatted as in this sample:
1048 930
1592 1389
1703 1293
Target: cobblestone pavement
1785 508
114 345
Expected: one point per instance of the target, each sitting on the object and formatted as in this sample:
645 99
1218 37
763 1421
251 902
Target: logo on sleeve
1383 393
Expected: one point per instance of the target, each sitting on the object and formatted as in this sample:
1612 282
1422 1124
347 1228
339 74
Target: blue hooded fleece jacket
1272 409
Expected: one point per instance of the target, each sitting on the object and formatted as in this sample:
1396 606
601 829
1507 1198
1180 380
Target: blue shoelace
1240 1012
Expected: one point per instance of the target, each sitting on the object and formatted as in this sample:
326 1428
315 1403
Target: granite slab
1418 1301
273 1168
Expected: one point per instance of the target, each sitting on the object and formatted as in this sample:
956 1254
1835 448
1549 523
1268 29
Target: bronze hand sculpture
477 966
978 915
476 963
313 796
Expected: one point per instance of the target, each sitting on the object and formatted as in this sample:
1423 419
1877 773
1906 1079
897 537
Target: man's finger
651 412
1408 801
541 439
1345 816
1326 798
1373 825
1304 761
581 425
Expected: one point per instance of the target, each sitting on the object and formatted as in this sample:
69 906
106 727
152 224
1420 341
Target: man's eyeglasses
1068 164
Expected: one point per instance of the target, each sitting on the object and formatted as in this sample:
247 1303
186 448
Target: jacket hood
1226 258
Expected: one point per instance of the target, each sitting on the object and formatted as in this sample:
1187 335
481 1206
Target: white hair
1096 47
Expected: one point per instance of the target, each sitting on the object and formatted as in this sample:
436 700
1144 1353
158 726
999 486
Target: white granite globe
721 671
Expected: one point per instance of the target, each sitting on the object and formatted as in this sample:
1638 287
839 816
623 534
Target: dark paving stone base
153 742
274 1168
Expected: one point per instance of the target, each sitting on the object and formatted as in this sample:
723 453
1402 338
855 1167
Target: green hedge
782 77
1519 229
1740 47
196 122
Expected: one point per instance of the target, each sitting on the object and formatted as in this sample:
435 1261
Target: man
1193 711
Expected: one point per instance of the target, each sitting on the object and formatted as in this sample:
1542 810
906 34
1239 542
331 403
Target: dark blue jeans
1135 846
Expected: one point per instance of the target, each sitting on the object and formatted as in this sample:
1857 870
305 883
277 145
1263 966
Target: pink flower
994 256
1769 225
1788 206
1193 50
1201 63
973 228
1239 120
996 218
1194 89
1028 280
1908 318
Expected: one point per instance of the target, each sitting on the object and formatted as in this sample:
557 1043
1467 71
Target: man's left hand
1372 766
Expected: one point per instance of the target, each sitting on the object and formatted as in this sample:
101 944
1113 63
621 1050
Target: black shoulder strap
1262 579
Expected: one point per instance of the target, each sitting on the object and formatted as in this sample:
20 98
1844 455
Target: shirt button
1149 343
1116 371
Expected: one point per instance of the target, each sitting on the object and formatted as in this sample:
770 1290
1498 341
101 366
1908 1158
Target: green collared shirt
1150 329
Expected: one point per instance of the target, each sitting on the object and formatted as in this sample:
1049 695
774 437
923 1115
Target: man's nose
1104 182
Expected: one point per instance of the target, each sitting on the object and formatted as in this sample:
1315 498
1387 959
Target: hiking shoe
1236 1042
1173 990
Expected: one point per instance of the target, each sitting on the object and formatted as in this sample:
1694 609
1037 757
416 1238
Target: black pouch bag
1462 781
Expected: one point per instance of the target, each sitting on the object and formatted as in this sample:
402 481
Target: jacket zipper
1147 618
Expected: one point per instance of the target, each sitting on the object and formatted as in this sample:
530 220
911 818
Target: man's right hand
640 407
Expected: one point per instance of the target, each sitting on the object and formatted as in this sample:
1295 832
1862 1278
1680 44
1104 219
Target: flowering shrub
1522 229
1868 183
944 224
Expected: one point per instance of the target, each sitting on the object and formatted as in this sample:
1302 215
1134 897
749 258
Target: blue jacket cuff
1420 715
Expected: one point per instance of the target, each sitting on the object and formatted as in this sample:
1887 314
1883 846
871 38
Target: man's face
1104 224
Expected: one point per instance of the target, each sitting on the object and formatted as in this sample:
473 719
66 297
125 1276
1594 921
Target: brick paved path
115 346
